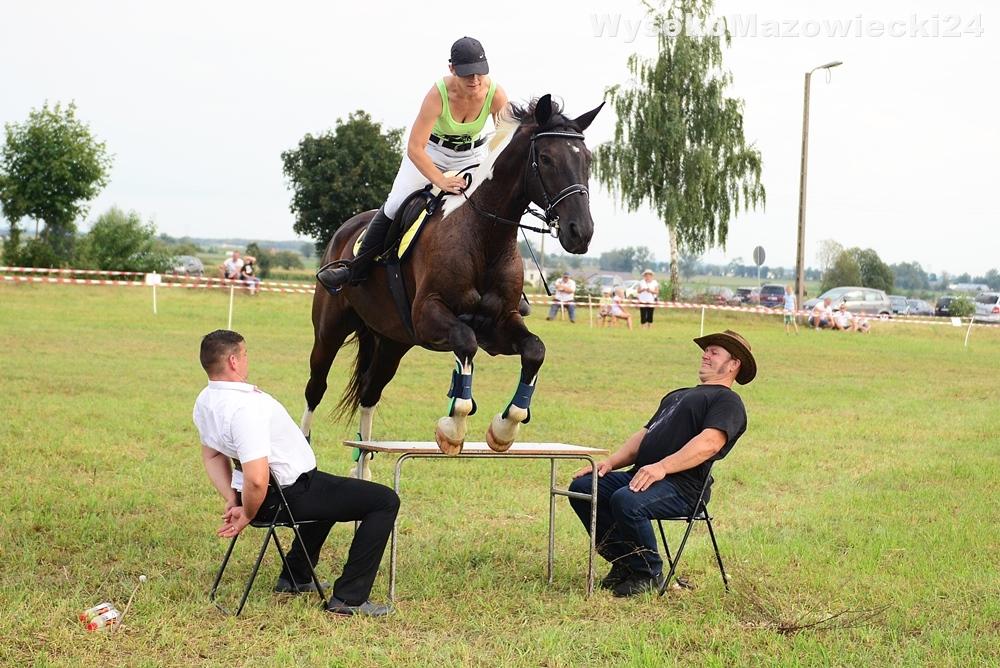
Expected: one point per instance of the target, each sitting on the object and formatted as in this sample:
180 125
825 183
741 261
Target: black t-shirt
682 415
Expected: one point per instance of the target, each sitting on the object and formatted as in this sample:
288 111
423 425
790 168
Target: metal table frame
553 493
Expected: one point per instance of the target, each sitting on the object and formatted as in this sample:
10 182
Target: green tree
50 167
340 173
121 241
679 145
263 259
874 272
287 260
910 276
843 271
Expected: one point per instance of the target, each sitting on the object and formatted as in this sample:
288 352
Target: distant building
969 287
532 276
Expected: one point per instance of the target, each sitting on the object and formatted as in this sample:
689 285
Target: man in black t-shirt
670 458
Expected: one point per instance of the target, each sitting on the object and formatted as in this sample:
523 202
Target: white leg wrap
307 423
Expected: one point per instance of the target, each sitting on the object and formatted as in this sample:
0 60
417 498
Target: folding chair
282 518
699 513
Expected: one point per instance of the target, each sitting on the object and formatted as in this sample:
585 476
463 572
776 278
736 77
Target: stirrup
331 266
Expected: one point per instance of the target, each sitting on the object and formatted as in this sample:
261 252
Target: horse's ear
583 121
543 110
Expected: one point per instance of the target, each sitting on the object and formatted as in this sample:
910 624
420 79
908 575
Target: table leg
392 536
552 515
593 526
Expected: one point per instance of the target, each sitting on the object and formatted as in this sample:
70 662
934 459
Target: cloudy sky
197 100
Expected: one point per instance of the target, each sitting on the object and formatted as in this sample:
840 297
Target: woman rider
445 137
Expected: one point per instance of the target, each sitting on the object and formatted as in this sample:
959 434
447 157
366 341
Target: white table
550 451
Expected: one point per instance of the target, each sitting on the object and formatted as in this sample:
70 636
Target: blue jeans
570 306
624 530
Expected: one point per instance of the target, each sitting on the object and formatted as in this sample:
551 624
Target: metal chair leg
256 568
309 563
677 559
718 556
222 569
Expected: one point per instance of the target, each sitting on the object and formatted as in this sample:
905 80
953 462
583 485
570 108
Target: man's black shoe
619 573
367 609
283 586
637 584
333 277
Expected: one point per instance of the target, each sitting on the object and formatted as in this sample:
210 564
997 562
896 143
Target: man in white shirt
565 289
238 423
232 266
842 319
822 314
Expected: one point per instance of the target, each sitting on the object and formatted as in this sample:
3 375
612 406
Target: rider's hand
602 468
452 184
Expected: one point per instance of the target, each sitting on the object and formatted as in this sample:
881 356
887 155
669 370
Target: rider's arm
420 133
499 103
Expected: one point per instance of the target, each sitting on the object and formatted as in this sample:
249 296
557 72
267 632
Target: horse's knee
533 351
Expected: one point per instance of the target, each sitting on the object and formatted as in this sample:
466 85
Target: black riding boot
333 276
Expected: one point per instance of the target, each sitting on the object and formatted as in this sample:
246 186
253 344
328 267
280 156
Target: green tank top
447 127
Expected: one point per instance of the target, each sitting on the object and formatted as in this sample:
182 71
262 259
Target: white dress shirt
245 424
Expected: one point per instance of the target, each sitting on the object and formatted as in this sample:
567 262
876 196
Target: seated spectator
604 308
618 310
822 315
861 324
842 319
565 289
248 274
232 267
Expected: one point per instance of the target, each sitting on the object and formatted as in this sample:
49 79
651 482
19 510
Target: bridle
548 216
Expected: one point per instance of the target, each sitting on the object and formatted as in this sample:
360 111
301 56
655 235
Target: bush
961 307
121 241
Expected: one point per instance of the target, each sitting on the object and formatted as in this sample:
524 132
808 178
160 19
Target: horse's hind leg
338 321
384 364
504 426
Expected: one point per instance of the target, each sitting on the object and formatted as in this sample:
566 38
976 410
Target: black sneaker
619 573
637 583
283 586
367 609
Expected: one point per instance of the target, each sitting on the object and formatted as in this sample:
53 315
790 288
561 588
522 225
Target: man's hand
234 521
646 476
602 468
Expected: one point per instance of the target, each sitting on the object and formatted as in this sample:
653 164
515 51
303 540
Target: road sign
758 255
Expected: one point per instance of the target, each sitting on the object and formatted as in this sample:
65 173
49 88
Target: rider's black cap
468 57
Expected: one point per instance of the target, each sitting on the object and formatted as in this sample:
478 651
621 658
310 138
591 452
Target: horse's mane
510 120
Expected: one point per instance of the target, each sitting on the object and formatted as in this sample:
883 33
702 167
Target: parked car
748 295
899 305
858 300
772 295
919 307
187 265
943 306
721 297
631 289
987 307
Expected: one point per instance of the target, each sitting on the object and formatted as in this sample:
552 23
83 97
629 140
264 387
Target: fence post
702 321
229 323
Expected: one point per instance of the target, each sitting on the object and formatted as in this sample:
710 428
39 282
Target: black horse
464 277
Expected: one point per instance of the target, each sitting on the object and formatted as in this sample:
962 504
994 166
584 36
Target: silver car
858 300
987 307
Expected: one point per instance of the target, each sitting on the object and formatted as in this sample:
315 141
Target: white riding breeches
409 178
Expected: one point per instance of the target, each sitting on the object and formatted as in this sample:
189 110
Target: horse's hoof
495 444
448 446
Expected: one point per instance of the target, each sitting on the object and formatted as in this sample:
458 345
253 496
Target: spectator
843 320
565 289
617 310
248 274
232 267
789 310
604 308
822 315
649 289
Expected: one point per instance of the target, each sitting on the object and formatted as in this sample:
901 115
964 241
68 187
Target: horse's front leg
437 325
504 426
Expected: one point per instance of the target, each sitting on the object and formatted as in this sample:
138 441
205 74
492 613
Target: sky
196 101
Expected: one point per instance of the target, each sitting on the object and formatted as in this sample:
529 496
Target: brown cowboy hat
738 347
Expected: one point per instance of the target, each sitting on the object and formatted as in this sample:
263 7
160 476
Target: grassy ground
865 483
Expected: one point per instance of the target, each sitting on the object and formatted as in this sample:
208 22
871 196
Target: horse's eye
544 159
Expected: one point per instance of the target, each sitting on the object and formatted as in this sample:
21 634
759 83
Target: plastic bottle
98 609
109 618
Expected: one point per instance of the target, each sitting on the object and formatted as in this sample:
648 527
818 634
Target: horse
464 277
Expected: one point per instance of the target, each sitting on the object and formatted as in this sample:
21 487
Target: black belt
457 146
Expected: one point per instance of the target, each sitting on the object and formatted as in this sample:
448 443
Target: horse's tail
349 402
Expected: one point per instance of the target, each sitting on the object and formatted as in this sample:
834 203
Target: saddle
402 236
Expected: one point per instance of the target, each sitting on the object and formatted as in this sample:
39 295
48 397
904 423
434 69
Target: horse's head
558 169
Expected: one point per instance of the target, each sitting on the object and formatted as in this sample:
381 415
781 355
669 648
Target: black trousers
329 498
645 315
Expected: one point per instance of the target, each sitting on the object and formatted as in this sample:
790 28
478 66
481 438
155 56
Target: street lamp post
801 247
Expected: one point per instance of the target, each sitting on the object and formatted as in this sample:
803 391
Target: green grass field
866 484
